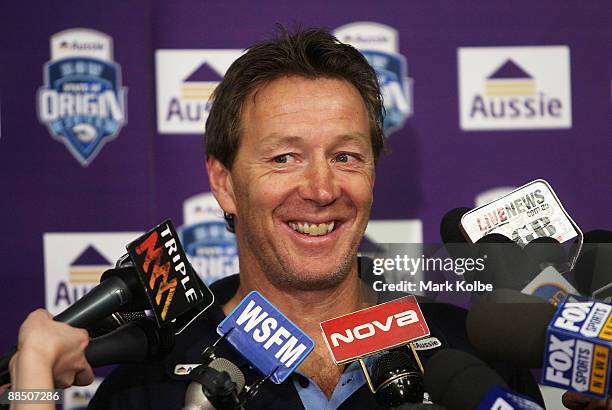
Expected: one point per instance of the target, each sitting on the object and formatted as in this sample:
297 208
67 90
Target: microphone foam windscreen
458 380
507 325
449 226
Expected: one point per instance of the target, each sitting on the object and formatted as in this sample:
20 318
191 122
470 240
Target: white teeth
312 229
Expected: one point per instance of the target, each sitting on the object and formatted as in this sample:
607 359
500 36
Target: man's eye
282 159
344 157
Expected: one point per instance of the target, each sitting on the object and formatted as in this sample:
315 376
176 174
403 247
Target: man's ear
221 185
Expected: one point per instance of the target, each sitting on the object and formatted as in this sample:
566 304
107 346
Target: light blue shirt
350 381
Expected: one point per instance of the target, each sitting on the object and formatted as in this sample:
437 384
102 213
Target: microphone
397 379
550 262
510 326
134 342
546 251
592 270
506 264
148 280
461 381
450 230
117 288
216 386
112 322
572 343
265 337
458 380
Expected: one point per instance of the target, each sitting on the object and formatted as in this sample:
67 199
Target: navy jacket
155 386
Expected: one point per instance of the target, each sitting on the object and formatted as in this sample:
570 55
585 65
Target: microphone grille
223 365
391 361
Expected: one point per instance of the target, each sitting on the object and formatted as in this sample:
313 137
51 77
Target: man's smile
312 229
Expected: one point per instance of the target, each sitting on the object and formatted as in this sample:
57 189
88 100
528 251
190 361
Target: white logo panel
503 88
74 263
185 79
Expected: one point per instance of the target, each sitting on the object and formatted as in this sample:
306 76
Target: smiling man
292 140
295 173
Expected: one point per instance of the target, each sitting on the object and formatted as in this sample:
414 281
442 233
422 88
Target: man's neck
307 309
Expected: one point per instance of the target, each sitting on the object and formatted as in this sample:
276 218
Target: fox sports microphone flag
266 337
578 342
374 329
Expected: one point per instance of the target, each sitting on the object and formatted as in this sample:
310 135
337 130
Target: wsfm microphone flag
374 329
578 342
271 342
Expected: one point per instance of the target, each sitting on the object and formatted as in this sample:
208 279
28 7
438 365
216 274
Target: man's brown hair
312 53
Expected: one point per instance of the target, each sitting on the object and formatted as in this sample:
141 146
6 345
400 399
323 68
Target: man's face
302 181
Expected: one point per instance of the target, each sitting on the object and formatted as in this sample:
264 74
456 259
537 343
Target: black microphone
592 270
397 380
112 322
506 264
217 385
510 326
546 251
134 342
119 289
450 231
458 380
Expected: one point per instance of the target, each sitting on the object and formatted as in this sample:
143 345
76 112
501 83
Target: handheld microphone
149 280
117 288
134 342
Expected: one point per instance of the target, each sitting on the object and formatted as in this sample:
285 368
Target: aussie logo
74 263
514 87
82 101
185 80
379 44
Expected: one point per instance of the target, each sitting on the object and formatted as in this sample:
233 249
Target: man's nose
320 184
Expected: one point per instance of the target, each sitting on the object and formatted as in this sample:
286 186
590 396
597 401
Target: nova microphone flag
374 329
265 337
171 284
578 342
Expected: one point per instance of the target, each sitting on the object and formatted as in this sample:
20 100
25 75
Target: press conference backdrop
103 103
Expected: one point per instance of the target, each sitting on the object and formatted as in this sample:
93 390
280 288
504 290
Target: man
292 140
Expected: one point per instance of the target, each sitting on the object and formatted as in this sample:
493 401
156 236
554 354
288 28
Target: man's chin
310 280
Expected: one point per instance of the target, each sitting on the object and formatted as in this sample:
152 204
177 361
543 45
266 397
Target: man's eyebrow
359 138
276 141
